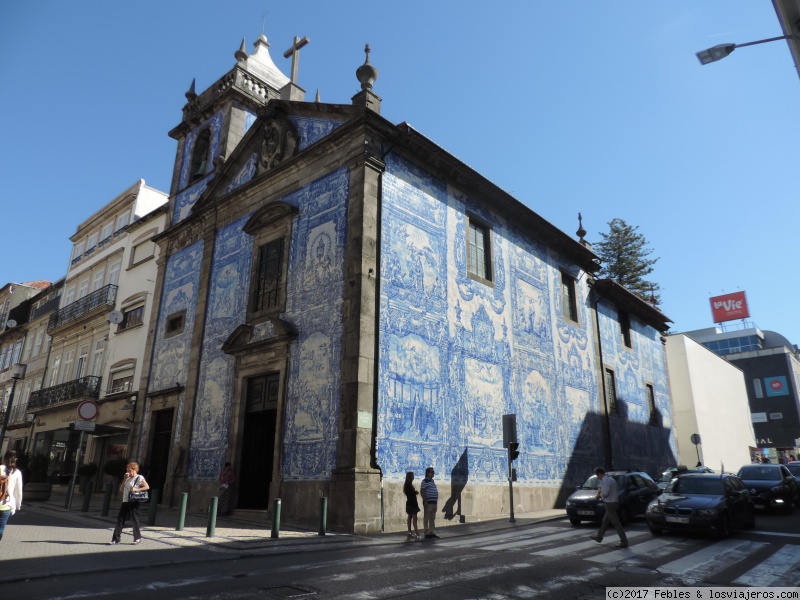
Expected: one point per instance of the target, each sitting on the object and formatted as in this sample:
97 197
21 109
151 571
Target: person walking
132 482
430 499
608 492
227 477
10 490
412 505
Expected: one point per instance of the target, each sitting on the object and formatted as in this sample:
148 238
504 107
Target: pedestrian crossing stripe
782 569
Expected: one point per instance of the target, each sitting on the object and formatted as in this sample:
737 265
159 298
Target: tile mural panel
226 310
456 354
315 292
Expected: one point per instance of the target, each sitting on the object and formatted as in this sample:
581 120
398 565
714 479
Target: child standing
412 505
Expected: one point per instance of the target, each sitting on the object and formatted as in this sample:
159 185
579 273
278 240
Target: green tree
625 259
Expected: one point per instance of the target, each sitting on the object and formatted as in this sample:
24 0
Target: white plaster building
709 398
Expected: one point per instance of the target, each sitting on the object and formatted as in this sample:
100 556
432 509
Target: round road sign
87 410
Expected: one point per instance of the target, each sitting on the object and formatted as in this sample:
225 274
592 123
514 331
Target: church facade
341 301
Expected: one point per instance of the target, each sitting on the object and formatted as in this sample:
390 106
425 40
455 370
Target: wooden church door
258 441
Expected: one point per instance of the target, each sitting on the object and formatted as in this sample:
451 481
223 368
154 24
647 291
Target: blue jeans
4 514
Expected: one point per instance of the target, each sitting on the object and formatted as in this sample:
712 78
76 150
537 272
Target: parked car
771 486
702 501
636 489
794 468
679 471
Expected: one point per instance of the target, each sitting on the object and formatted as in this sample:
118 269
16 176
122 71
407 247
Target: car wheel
575 522
724 527
654 530
622 513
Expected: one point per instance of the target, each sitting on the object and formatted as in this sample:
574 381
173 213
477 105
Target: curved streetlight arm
720 51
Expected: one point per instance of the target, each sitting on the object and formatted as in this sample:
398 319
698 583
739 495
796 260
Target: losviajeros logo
729 307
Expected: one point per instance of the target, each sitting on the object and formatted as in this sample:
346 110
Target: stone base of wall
474 503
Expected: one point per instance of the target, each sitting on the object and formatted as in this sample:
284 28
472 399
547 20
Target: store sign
729 307
776 386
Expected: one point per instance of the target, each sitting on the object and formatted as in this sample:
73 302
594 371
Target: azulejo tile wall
456 354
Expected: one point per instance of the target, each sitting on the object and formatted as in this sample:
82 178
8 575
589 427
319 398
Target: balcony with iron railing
85 388
105 297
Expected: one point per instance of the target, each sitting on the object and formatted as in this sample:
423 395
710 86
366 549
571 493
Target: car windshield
697 485
593 482
760 473
666 476
794 469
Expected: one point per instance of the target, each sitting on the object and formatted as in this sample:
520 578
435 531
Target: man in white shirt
610 495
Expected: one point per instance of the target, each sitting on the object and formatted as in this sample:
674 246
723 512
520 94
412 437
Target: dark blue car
636 489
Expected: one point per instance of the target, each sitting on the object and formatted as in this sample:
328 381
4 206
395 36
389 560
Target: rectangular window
83 289
569 299
132 317
97 283
611 391
17 352
479 256
175 323
122 221
37 346
651 403
143 251
113 273
69 297
54 370
121 381
269 275
92 243
66 372
97 359
83 355
26 353
758 389
625 327
108 229
77 250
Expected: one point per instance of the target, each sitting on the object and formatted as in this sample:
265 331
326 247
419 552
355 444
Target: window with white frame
92 243
67 370
122 221
83 288
97 357
5 350
132 317
113 273
479 251
83 355
98 279
26 352
121 379
108 229
69 297
17 352
77 250
54 368
37 346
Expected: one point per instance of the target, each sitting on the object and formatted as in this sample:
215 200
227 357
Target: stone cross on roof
294 52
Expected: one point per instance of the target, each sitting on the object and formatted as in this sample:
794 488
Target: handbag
141 496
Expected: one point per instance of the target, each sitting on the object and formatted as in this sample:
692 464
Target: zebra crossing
683 560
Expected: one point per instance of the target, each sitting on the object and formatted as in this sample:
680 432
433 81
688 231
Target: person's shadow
458 481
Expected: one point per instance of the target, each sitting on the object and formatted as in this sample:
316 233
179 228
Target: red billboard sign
729 307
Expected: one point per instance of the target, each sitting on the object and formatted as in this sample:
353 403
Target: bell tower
215 121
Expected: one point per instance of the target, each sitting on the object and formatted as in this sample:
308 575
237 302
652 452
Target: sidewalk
44 539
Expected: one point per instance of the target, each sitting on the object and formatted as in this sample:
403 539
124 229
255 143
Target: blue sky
571 106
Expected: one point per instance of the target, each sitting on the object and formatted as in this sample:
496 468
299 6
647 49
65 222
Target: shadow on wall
632 446
458 481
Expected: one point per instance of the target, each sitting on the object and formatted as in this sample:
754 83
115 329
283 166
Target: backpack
3 489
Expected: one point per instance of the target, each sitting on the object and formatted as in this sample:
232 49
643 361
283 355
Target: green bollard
107 500
212 517
323 515
182 511
276 518
151 515
87 498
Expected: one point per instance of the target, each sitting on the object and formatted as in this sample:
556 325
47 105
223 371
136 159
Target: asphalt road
544 560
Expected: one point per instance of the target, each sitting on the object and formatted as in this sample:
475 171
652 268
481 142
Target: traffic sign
87 410
81 425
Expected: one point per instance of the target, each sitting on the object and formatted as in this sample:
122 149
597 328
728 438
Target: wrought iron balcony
77 389
105 296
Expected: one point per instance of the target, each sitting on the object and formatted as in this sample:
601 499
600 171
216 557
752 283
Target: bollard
107 500
323 515
87 498
276 518
151 516
68 500
212 517
182 511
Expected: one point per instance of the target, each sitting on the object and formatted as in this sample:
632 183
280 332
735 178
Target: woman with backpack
10 489
133 482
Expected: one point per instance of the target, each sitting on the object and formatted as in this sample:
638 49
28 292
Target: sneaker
139 541
113 543
434 536
410 535
596 538
621 545
428 536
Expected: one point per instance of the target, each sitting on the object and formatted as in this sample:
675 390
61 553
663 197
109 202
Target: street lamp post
720 51
17 373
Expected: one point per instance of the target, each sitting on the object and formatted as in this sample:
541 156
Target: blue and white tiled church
342 301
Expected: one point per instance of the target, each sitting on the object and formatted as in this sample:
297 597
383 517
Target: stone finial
241 53
366 73
190 93
316 99
581 233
